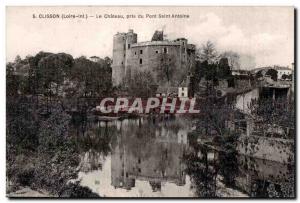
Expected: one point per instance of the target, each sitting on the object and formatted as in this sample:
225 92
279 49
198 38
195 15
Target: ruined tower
169 61
121 44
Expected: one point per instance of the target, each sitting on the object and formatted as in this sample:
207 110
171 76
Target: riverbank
28 192
267 148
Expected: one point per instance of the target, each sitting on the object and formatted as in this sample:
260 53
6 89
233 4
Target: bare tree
208 53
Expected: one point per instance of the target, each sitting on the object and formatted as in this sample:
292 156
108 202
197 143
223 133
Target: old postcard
150 102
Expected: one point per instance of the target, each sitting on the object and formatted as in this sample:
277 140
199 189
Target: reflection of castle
155 157
156 55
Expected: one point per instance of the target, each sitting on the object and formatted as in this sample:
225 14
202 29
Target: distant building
281 70
130 56
95 59
240 72
182 91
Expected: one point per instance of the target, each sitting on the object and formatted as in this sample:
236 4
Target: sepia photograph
193 102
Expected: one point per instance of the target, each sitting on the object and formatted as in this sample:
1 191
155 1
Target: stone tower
121 45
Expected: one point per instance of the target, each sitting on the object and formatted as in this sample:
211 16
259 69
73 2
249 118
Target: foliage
208 53
165 72
287 77
273 73
203 178
92 79
74 190
39 147
259 74
22 126
211 120
211 72
142 84
49 74
54 68
97 139
269 112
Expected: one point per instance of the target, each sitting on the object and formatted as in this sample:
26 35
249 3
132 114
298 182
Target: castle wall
131 39
155 60
169 61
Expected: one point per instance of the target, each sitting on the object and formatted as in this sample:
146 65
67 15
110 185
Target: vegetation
142 85
51 74
213 67
45 139
273 74
208 53
39 142
272 115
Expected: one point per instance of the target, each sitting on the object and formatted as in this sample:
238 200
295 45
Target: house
95 59
166 91
283 71
240 72
182 92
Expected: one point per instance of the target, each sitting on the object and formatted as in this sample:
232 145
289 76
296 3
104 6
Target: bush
74 190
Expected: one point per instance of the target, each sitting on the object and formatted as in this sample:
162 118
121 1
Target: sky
263 36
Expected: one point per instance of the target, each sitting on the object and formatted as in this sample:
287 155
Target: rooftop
271 67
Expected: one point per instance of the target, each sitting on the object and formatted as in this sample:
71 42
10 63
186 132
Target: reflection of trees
228 167
98 139
273 186
203 177
94 142
139 137
204 172
143 134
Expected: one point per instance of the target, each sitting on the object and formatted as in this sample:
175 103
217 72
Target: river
155 157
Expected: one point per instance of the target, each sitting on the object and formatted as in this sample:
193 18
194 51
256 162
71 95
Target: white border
5 3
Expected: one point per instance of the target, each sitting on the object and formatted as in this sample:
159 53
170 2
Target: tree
208 53
18 59
259 74
108 60
165 70
35 76
286 77
273 73
142 84
12 81
93 79
55 68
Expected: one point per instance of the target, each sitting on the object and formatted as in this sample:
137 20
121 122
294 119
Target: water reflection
263 178
151 152
155 157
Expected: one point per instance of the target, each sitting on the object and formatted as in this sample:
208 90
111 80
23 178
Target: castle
170 62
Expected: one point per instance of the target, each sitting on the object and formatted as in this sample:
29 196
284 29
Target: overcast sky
266 33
